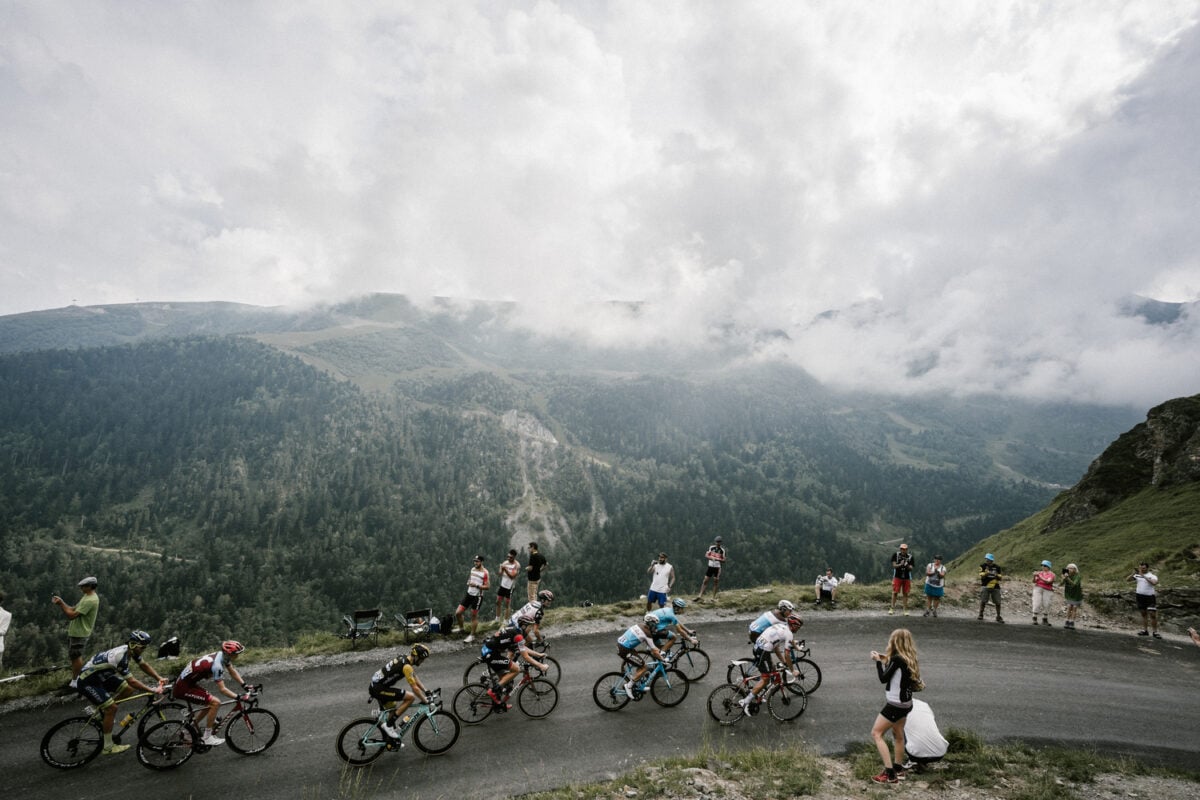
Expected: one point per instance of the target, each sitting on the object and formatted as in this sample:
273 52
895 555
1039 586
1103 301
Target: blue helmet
139 637
679 603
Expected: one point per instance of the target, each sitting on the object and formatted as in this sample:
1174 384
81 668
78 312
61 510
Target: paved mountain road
1119 693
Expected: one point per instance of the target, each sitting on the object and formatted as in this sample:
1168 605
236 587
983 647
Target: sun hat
1046 563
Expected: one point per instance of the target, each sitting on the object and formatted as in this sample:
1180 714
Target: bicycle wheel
251 731
609 692
723 705
738 671
669 688
72 742
167 744
361 742
810 675
694 663
476 672
436 733
537 698
160 712
786 705
472 704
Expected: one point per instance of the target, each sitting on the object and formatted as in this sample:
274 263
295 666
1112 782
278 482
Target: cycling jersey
503 641
634 636
211 666
666 618
765 621
777 637
393 671
114 660
532 610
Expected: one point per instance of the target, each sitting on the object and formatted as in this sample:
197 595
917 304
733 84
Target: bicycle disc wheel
810 675
72 743
161 712
476 672
472 704
723 705
361 742
436 733
251 731
609 692
537 698
738 671
785 705
669 688
167 744
694 663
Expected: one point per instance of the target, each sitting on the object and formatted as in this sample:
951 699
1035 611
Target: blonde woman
898 669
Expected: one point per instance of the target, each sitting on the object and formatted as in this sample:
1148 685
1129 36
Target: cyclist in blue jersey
640 634
768 618
106 678
668 624
775 640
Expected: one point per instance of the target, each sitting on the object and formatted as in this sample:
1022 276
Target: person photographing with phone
1147 598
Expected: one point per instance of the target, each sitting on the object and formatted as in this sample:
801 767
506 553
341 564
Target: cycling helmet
139 637
786 606
679 603
418 653
546 596
794 622
651 618
232 648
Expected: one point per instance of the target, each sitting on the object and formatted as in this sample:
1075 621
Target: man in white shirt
827 588
662 582
1147 598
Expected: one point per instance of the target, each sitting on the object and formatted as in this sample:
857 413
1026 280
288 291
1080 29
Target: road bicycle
247 730
77 740
784 698
478 669
667 686
435 731
536 697
689 659
809 673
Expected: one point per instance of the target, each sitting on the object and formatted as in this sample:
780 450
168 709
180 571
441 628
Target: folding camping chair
361 624
416 624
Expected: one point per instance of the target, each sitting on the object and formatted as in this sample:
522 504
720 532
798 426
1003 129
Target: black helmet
419 653
139 637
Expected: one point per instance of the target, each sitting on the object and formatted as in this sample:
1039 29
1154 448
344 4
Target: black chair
416 624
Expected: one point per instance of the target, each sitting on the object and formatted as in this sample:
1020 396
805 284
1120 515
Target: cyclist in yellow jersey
396 698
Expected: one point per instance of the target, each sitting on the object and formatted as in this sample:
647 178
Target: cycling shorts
631 656
387 695
101 688
186 690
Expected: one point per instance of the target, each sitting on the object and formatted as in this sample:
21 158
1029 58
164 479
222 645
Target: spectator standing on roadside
827 588
83 621
1043 591
990 576
533 571
1072 593
899 670
935 585
509 569
715 558
902 566
477 584
661 582
1147 598
5 621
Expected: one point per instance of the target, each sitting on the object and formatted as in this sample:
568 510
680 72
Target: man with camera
1146 599
1072 584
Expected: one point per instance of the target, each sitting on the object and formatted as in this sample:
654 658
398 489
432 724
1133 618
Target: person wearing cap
990 576
1072 584
935 585
715 556
1043 591
509 569
83 620
902 567
477 584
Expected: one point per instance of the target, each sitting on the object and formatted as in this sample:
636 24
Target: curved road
1116 692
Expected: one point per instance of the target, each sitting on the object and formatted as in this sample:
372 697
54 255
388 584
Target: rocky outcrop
1162 451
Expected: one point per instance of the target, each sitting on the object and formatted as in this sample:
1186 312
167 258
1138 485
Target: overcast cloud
973 187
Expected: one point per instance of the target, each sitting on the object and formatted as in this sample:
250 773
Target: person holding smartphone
1147 599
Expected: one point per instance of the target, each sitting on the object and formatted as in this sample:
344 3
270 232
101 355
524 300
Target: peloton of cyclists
641 633
396 699
212 666
106 678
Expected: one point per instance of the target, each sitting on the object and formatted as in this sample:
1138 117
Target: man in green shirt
83 620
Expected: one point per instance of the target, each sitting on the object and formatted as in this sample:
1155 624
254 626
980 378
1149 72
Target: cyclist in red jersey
210 667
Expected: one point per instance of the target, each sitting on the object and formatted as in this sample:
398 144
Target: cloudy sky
945 196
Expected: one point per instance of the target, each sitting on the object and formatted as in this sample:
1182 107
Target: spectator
1072 594
533 571
990 576
5 621
509 569
83 621
827 589
902 565
899 670
477 584
662 582
715 557
1147 598
1043 591
935 585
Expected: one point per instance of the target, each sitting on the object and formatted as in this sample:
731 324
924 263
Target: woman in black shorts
898 669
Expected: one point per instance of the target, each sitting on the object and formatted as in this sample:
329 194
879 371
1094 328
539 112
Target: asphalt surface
1112 691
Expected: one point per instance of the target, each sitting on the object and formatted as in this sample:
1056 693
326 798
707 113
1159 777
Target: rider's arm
149 670
418 688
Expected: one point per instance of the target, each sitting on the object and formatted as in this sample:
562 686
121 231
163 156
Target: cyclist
106 678
668 624
776 639
212 666
396 699
640 634
500 652
773 617
529 616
